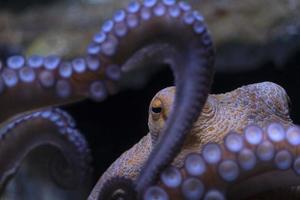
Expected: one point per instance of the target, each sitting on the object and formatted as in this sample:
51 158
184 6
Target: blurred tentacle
151 32
166 32
50 127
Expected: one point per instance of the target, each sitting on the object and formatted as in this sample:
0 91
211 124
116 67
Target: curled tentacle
174 29
157 32
151 32
69 166
244 166
118 188
181 38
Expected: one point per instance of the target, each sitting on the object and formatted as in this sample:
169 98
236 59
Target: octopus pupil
156 109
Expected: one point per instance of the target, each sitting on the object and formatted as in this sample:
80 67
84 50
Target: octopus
233 145
166 164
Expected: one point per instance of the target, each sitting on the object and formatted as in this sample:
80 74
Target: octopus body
144 33
243 144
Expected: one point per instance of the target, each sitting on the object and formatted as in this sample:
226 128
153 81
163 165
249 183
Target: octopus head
159 110
161 107
260 103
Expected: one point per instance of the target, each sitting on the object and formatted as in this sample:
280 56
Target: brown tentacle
244 166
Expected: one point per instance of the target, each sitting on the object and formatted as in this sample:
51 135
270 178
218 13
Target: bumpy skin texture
147 32
259 104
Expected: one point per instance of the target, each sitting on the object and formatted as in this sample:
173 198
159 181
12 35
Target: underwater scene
149 99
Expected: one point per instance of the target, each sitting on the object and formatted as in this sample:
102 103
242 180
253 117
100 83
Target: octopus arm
160 31
166 32
69 167
36 82
244 166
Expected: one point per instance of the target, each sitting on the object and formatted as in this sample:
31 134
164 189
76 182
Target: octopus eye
156 110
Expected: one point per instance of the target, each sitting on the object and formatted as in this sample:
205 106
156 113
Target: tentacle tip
118 188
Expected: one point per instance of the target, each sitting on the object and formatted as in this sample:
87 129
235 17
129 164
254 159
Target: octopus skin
241 146
149 32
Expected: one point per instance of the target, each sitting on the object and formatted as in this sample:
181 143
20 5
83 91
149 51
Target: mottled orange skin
259 104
